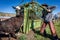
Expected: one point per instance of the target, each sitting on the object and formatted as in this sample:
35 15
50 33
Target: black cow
10 26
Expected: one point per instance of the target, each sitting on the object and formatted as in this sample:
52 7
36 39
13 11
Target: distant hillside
7 14
58 14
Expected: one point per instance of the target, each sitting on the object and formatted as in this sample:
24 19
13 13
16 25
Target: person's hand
49 10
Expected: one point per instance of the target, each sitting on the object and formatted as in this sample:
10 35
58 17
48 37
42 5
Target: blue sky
6 5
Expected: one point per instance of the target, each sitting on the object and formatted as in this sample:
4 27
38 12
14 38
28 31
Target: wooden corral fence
31 18
30 24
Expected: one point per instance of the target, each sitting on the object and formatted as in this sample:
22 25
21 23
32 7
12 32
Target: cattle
11 25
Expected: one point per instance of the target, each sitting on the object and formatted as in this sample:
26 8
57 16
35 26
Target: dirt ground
6 38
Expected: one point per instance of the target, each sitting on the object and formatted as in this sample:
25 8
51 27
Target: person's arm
48 10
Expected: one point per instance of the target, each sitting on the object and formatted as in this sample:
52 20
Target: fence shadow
3 35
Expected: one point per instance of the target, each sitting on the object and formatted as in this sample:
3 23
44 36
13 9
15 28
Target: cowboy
47 19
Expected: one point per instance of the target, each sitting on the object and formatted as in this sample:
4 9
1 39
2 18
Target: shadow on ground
46 36
5 37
